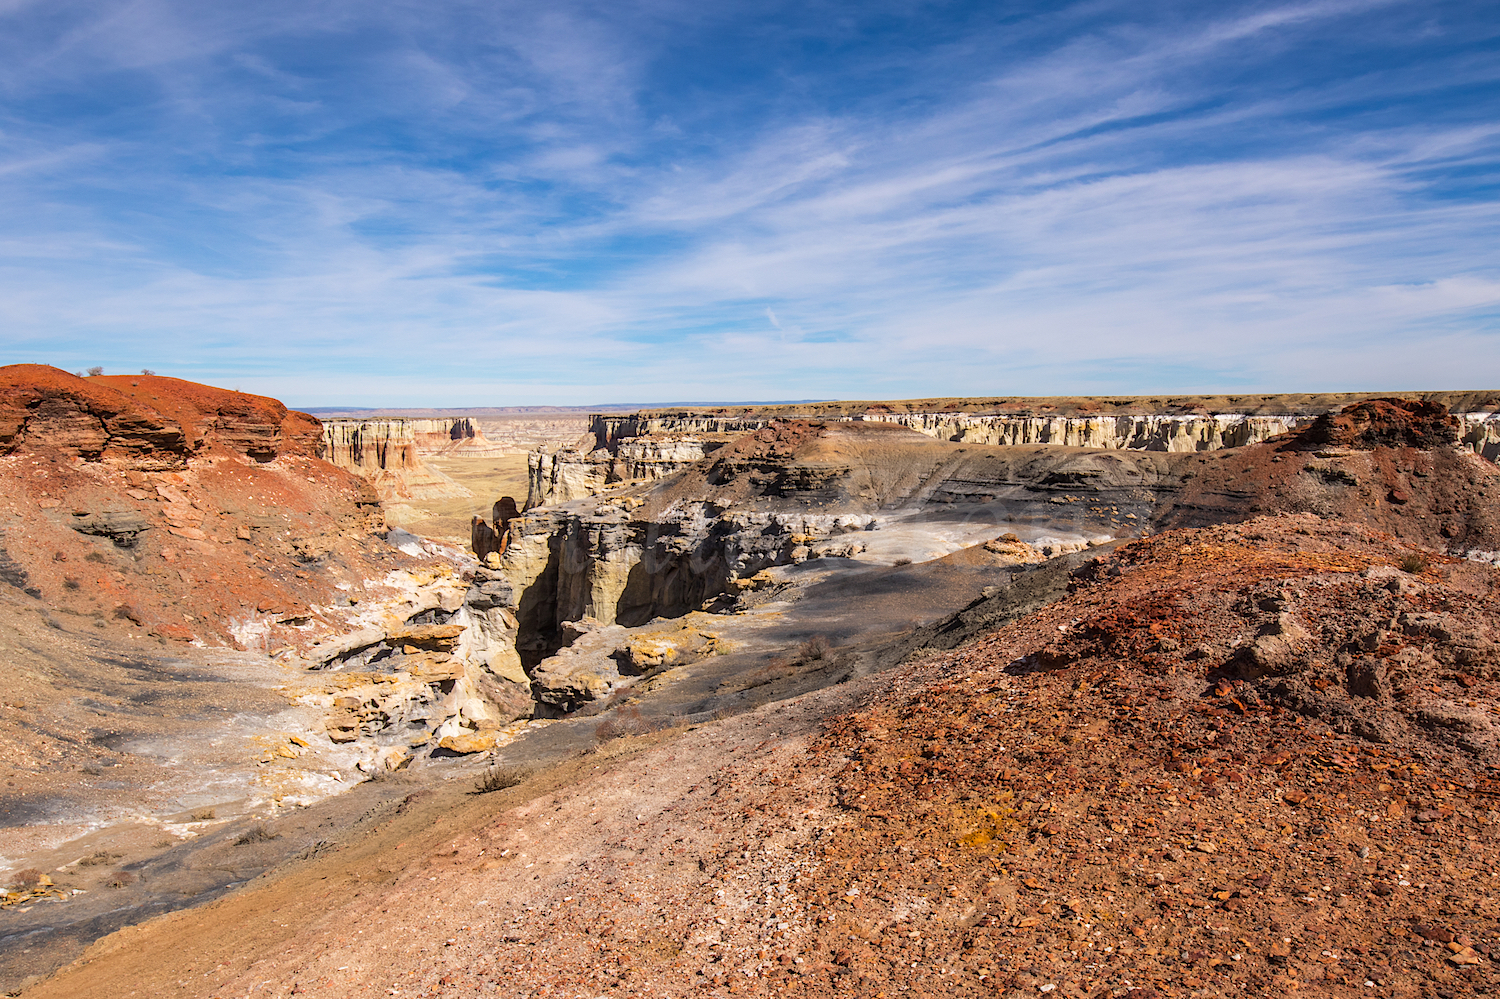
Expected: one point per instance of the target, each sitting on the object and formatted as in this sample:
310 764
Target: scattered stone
475 742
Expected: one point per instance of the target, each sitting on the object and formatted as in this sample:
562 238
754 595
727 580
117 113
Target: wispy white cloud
394 199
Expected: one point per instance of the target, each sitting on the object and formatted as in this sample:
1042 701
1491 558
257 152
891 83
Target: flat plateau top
1286 404
1254 404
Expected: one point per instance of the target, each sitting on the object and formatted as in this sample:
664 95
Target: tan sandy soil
499 470
487 477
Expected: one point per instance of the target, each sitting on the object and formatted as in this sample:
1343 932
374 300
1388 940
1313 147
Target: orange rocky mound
163 507
145 418
1385 423
1234 760
1392 464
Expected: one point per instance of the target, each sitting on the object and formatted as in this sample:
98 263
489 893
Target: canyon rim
1188 695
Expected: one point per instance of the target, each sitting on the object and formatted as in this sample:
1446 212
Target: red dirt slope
1389 463
156 506
1234 760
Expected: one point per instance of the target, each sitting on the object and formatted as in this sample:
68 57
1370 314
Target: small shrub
71 584
120 879
500 778
256 834
814 649
147 371
102 857
95 371
1414 564
624 722
29 878
203 815
903 560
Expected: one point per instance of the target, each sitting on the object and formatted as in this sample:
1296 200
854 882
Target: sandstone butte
1252 753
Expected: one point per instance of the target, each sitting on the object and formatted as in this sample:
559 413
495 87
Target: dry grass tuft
500 778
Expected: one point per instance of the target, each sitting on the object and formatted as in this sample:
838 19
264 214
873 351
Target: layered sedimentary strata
152 509
646 446
787 491
567 474
387 453
435 672
457 436
1132 432
144 420
1305 404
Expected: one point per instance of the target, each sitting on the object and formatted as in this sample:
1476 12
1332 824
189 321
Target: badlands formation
975 697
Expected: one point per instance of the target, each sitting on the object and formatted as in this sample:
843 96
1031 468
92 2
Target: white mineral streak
1481 431
1115 433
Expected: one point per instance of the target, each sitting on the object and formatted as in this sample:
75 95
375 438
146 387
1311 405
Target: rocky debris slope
1233 759
1106 797
1397 465
152 510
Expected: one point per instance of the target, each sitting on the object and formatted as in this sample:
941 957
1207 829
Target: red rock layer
156 506
1385 423
143 418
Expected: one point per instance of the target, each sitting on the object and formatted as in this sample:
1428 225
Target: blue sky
443 203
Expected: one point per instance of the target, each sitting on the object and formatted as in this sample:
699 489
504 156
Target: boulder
1373 423
120 526
467 743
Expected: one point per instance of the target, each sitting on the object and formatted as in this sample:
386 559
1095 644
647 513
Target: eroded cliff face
387 454
572 473
1130 433
1480 432
436 670
609 566
645 446
803 489
794 491
143 421
155 510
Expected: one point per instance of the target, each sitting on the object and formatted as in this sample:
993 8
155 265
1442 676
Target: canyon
648 445
815 609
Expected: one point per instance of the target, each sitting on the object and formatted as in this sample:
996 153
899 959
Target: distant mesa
388 453
638 447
